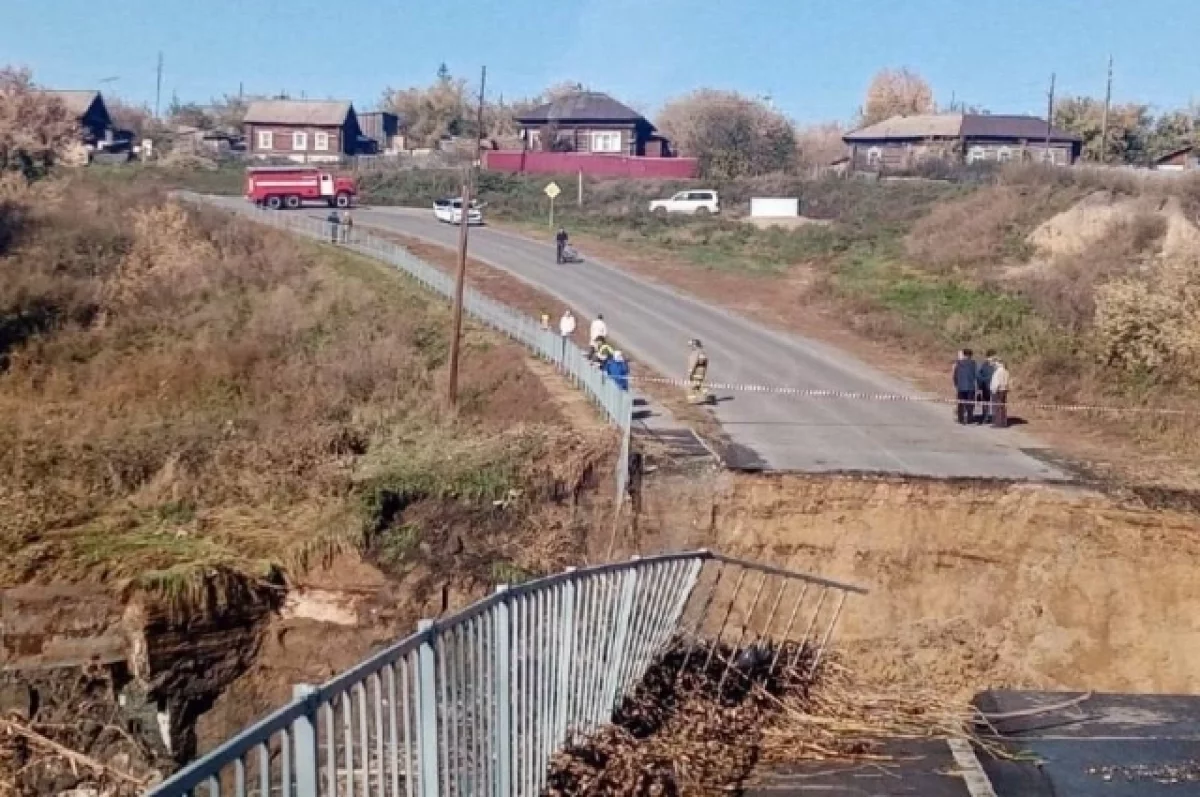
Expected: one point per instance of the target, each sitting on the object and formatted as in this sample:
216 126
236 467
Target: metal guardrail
478 703
569 359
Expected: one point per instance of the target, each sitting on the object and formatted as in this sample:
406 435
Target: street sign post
552 190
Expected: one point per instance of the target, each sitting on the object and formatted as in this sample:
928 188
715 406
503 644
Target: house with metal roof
591 122
903 142
304 131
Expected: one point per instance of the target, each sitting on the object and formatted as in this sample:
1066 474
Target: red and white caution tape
814 393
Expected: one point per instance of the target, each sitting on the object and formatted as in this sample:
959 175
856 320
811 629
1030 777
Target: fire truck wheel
343 200
292 202
274 202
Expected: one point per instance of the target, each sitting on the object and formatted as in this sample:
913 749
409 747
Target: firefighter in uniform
697 371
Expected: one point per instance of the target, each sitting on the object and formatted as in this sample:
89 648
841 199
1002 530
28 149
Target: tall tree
433 112
34 127
896 92
732 135
1172 131
1129 126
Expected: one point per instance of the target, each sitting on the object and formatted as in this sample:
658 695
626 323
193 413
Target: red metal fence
591 165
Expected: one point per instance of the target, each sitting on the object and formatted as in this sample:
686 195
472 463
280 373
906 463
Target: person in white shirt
599 329
566 324
566 328
1000 381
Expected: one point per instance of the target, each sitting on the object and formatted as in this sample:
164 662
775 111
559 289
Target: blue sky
814 59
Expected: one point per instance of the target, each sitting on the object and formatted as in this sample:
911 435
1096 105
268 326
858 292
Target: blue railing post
501 666
304 737
616 662
427 726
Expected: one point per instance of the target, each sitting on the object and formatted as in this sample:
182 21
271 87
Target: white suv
450 211
691 202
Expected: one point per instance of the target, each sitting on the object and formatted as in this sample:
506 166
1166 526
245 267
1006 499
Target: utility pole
463 228
1104 123
158 88
1049 114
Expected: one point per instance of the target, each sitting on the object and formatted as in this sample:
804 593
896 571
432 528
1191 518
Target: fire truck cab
290 187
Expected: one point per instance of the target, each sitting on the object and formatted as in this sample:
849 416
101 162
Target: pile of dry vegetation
703 716
183 395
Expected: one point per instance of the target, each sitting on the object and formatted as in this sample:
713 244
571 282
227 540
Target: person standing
347 226
566 328
599 329
965 378
560 244
697 372
999 387
986 369
333 220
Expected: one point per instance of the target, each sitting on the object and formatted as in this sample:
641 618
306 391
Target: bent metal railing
569 359
478 702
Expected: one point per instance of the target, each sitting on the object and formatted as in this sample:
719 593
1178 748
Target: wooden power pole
463 228
1049 113
1104 122
158 88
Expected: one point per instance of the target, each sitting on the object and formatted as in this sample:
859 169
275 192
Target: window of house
1004 154
300 141
321 142
976 154
1048 156
874 156
606 142
266 139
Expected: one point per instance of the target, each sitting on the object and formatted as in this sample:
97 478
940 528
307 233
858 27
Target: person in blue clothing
617 370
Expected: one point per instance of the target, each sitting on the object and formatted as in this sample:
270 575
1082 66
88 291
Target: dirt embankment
972 585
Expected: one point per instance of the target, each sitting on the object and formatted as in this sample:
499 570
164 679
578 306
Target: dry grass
184 395
983 227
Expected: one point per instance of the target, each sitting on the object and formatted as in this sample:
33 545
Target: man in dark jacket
984 378
966 382
560 244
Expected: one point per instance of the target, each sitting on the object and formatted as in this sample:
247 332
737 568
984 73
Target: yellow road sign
552 190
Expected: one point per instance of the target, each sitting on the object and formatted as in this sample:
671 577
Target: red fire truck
291 186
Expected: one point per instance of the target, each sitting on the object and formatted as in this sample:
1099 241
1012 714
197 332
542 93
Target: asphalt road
780 433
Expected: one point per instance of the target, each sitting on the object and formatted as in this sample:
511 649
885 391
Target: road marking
804 392
978 783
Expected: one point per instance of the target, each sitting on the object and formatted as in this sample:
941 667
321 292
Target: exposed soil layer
972 585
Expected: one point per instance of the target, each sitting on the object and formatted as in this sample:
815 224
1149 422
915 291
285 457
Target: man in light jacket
566 328
1000 380
599 329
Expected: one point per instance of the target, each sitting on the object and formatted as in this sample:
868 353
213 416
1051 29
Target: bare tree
820 144
731 134
138 119
34 127
896 92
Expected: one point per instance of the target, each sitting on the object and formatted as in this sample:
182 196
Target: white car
450 211
694 203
